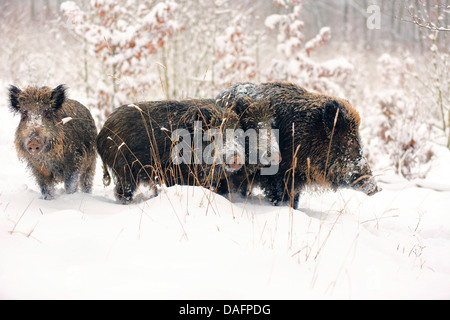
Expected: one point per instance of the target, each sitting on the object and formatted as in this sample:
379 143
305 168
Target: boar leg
278 191
47 192
274 193
71 182
87 177
45 181
233 184
244 189
292 202
125 190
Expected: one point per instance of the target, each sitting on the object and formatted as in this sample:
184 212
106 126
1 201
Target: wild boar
319 142
168 142
56 137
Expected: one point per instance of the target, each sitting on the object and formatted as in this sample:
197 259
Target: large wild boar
56 137
168 142
257 119
318 138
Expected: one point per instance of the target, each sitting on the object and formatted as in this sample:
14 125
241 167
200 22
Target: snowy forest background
188 242
394 70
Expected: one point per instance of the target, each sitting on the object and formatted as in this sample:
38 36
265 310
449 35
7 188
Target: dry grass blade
23 213
329 145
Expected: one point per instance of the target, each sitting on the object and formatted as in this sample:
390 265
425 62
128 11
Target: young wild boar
56 137
318 137
168 142
257 119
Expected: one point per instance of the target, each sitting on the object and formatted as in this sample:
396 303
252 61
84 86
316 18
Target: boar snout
234 163
34 145
368 185
374 191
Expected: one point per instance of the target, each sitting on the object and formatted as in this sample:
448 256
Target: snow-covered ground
189 243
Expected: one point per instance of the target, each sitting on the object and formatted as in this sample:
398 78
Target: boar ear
14 98
331 109
58 96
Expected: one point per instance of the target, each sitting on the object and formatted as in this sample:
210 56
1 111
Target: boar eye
24 115
48 113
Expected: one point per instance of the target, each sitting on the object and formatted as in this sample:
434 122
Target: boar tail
106 176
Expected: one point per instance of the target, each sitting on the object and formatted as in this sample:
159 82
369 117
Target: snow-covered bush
124 37
400 127
233 62
438 84
294 62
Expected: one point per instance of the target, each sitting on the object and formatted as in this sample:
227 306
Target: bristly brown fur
135 144
67 149
259 112
318 137
254 114
33 95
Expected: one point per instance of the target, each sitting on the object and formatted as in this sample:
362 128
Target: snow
66 119
189 243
